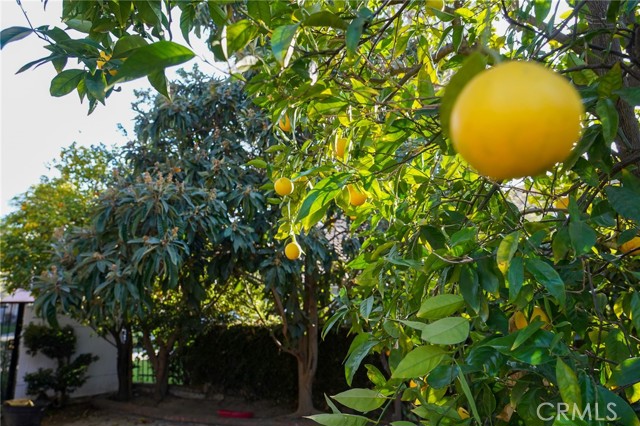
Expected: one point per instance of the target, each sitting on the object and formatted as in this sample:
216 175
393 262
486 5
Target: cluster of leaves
58 344
449 256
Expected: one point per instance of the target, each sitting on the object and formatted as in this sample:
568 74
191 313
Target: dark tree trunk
307 353
124 345
160 361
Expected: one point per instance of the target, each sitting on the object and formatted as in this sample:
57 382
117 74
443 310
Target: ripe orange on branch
516 119
283 186
292 250
632 247
356 198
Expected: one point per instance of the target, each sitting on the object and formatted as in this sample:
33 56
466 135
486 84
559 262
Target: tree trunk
124 345
307 354
159 361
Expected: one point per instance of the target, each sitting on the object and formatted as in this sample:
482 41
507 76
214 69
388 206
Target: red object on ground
236 414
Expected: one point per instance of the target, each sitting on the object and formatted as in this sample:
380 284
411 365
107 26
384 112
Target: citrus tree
501 284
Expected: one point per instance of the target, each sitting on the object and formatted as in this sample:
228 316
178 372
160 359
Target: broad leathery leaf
548 277
151 58
626 373
239 34
470 287
358 350
608 115
339 419
630 95
440 306
624 201
354 32
96 85
64 83
419 362
12 34
506 250
217 14
317 200
362 400
611 81
620 409
583 237
515 278
282 42
325 19
260 10
447 331
126 45
158 80
474 64
568 384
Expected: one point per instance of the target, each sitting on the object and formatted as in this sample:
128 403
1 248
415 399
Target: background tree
54 204
451 257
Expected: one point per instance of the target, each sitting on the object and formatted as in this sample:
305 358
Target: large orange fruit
516 119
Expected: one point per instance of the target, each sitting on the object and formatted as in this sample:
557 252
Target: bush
58 344
245 361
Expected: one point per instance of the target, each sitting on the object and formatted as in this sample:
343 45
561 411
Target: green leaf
515 277
470 399
473 65
362 400
507 248
625 201
339 419
217 14
259 10
624 414
440 306
282 43
11 34
626 373
583 237
354 32
150 11
239 34
152 58
610 82
358 350
568 384
630 95
64 83
608 115
325 19
524 334
158 80
257 163
125 45
96 85
419 362
548 277
317 200
470 287
447 331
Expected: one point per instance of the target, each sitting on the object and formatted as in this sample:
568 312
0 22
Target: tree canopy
487 296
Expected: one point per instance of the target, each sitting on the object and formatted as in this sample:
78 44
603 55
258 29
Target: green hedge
244 360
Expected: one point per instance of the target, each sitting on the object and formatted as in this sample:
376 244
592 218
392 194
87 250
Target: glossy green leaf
158 81
125 45
447 331
12 34
608 115
282 43
626 373
339 420
325 19
354 32
419 362
440 306
515 278
619 411
152 58
506 250
583 237
358 350
630 95
362 400
239 34
625 201
317 200
259 10
96 85
544 274
65 82
568 384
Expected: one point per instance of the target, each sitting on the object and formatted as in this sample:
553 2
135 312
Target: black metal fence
11 315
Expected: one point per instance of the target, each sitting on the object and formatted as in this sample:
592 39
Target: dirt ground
144 410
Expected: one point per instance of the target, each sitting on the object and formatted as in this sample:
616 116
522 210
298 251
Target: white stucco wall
102 373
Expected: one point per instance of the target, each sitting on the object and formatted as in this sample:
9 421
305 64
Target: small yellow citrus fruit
283 186
292 250
539 313
356 198
285 124
633 246
434 4
520 320
516 119
341 147
464 414
104 58
562 203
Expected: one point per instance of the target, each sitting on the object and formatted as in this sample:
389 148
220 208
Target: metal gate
11 318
